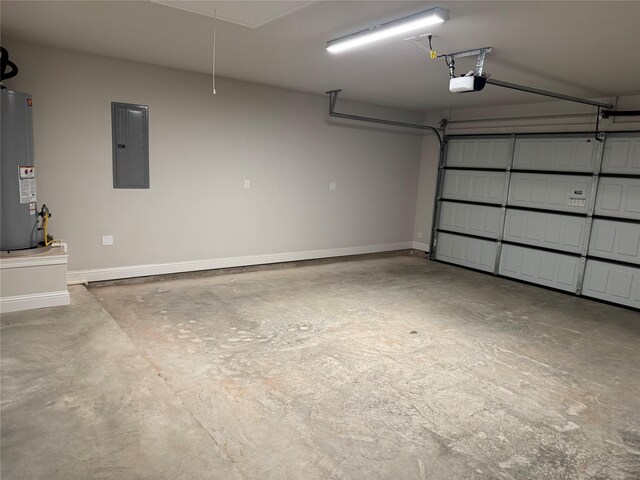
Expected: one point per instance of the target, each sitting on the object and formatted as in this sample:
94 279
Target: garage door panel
539 229
474 186
479 152
567 273
565 154
556 226
566 193
480 220
615 240
574 234
618 197
466 251
622 155
612 282
539 266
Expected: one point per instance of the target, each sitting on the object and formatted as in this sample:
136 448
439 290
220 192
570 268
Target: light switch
107 240
247 184
332 185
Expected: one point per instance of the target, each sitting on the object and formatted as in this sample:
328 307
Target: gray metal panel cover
472 219
474 186
559 232
18 229
466 251
478 152
130 145
539 266
615 240
560 154
622 154
612 282
564 193
618 197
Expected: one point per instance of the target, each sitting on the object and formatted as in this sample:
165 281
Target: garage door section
565 233
476 186
479 153
564 154
613 266
540 266
612 282
473 192
558 210
550 194
467 251
619 197
622 155
478 220
559 193
615 240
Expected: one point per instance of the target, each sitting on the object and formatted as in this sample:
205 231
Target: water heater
19 229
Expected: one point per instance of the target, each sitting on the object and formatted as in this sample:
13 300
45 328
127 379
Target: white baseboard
113 273
421 246
34 300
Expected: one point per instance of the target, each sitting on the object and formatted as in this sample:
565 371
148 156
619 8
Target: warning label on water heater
27 183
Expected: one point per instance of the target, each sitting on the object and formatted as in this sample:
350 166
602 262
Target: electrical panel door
130 134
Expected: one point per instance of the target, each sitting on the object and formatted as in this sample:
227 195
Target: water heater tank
18 214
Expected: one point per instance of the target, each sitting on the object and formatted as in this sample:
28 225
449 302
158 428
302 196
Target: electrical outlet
107 240
419 234
332 185
247 184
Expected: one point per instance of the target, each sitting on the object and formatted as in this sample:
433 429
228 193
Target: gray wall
202 147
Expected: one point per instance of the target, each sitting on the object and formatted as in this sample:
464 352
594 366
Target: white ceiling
250 14
579 48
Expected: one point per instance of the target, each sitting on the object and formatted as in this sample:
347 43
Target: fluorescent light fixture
389 29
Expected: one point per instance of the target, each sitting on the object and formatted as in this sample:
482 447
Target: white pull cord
213 70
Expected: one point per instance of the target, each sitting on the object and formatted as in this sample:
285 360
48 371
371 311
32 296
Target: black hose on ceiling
4 63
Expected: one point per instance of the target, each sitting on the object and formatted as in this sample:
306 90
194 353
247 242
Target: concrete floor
395 368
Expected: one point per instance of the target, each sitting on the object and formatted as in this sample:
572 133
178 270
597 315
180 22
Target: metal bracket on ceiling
480 52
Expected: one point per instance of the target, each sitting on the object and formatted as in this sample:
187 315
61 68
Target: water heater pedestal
34 278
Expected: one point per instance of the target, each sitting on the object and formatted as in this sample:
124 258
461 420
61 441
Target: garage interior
320 240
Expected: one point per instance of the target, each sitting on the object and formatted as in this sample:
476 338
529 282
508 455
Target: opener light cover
390 29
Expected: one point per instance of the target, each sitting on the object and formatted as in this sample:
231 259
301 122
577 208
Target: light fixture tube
389 29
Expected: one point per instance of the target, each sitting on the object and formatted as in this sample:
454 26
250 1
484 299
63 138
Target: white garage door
559 210
473 190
